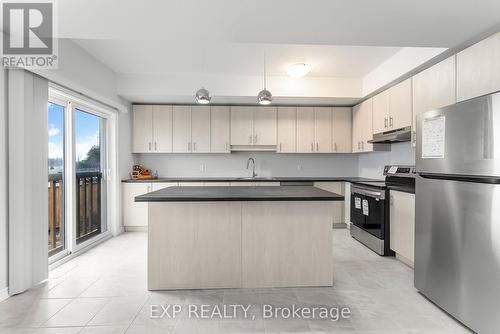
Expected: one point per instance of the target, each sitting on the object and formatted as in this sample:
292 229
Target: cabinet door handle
255 139
250 139
359 145
362 145
280 147
194 146
227 147
149 145
317 147
156 146
385 122
391 121
312 147
189 146
335 147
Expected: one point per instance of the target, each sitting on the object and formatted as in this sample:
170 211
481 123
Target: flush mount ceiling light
203 96
298 70
264 97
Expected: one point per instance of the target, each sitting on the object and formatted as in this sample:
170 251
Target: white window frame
72 101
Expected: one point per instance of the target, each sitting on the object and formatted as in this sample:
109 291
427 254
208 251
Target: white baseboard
4 294
406 261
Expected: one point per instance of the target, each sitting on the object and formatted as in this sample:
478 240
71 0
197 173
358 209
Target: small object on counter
141 173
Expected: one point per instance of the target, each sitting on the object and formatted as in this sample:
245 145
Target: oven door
367 210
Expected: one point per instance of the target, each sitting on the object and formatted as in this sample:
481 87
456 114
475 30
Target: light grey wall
372 164
268 164
3 181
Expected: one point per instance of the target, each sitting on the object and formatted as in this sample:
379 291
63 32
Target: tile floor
104 291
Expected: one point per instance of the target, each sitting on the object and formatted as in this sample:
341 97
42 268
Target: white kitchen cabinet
341 129
134 214
392 109
305 130
142 128
242 184
287 129
433 88
338 206
200 129
400 105
181 141
381 112
323 129
362 129
162 129
264 126
478 69
217 184
162 185
402 225
220 129
242 126
253 126
314 130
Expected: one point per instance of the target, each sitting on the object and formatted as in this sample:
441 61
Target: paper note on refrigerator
365 207
357 203
433 137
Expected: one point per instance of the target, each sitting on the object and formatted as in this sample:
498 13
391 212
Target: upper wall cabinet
191 129
220 129
362 127
253 126
341 129
287 129
433 88
314 129
392 109
152 129
478 69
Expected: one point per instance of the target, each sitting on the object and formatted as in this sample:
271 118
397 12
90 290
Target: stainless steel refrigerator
457 228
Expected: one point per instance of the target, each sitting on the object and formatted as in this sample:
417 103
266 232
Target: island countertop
239 194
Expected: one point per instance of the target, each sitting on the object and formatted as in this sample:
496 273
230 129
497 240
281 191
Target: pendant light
203 96
264 97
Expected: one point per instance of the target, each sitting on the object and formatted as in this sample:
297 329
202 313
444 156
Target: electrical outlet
299 167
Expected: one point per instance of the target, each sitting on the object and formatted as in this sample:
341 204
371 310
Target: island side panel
194 245
286 244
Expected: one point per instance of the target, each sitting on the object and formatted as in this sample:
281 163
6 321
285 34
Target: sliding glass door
56 229
89 167
77 184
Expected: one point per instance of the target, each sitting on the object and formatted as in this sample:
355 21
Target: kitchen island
239 237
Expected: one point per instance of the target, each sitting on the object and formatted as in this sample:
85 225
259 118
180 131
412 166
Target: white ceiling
163 51
156 57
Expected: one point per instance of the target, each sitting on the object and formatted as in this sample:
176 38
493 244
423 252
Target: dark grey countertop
239 194
257 179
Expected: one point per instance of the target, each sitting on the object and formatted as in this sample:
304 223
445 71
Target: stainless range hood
393 136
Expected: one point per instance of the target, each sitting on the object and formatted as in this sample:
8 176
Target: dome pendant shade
264 97
203 96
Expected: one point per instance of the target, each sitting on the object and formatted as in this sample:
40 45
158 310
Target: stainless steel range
370 207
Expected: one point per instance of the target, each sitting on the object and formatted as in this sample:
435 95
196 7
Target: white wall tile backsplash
371 165
267 164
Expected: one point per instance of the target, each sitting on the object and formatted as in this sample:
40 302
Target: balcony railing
88 208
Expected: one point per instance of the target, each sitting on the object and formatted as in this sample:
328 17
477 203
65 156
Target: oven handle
374 194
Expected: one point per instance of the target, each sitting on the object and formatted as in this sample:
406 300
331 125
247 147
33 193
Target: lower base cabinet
402 225
338 207
135 215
